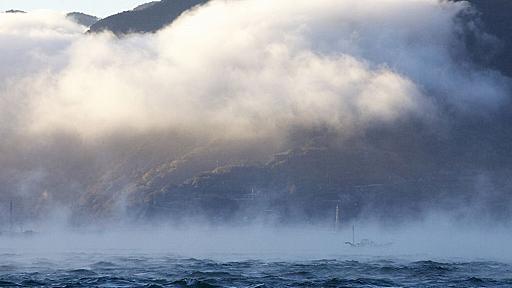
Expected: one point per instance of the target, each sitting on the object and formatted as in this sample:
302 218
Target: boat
365 243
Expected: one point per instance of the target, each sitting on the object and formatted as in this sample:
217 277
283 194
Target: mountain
390 173
82 19
145 6
146 18
15 11
494 14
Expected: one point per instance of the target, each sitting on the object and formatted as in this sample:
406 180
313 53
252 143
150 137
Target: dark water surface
102 270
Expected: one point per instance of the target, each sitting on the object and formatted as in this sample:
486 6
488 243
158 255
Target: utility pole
337 222
353 234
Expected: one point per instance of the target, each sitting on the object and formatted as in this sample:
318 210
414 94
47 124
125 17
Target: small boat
364 243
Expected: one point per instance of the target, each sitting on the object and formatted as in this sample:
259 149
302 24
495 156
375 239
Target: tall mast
10 216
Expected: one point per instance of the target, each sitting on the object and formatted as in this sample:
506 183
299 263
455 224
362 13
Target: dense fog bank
436 238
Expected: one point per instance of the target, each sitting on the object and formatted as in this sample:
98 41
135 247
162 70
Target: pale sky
100 8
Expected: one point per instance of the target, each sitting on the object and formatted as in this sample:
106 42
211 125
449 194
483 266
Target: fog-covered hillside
250 111
389 171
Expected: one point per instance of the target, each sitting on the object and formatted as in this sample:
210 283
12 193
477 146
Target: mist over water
195 255
436 239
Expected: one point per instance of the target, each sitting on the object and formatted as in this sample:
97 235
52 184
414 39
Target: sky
100 8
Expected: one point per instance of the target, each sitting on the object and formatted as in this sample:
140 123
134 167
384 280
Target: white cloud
240 69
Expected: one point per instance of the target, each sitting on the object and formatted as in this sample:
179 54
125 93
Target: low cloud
218 68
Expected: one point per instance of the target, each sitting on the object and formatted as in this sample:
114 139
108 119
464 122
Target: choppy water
101 270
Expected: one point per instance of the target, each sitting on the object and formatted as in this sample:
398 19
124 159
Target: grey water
143 270
258 257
